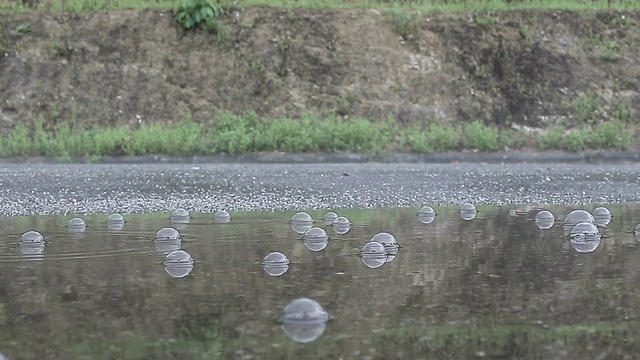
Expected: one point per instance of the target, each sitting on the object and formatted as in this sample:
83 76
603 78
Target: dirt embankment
529 68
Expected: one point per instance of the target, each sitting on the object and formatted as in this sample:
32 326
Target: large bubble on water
178 263
304 320
301 222
426 215
585 237
168 233
77 225
575 217
388 241
602 216
373 255
180 216
329 218
115 222
275 263
31 237
545 219
315 239
222 217
468 211
341 225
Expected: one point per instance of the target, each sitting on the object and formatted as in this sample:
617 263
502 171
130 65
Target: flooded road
482 281
37 189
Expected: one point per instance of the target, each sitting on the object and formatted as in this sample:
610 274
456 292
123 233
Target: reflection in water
545 220
426 214
304 320
329 217
468 212
178 263
32 249
464 288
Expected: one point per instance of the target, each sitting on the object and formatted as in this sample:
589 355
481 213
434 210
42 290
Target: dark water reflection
493 286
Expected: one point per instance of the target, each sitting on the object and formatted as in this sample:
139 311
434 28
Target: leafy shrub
192 13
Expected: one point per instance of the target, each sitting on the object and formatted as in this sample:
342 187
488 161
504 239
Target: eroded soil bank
533 68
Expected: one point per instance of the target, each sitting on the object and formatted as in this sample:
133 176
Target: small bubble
115 218
426 214
315 239
222 217
330 217
468 212
545 219
388 241
77 222
302 217
373 255
602 216
180 216
275 263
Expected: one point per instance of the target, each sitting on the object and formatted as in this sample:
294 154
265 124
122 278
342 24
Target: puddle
402 283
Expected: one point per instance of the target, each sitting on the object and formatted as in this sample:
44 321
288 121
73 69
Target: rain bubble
275 263
304 320
115 218
168 233
32 250
315 239
222 217
31 237
330 217
301 222
575 217
115 222
180 216
302 217
602 216
77 225
637 230
178 263
545 219
585 237
373 254
388 241
341 225
468 211
426 214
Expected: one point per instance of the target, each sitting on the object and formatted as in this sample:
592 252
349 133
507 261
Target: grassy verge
14 6
247 133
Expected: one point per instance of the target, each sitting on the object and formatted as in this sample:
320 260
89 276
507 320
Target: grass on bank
247 133
16 6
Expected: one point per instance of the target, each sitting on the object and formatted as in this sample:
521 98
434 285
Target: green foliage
247 133
192 13
24 29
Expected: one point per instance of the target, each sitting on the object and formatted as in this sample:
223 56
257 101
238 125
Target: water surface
495 286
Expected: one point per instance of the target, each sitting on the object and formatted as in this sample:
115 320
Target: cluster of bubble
304 320
582 227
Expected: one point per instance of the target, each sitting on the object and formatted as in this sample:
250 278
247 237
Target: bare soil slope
534 68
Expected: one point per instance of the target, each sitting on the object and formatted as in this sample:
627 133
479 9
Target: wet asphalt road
32 188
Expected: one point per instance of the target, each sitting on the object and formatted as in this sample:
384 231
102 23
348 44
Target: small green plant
24 29
192 13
